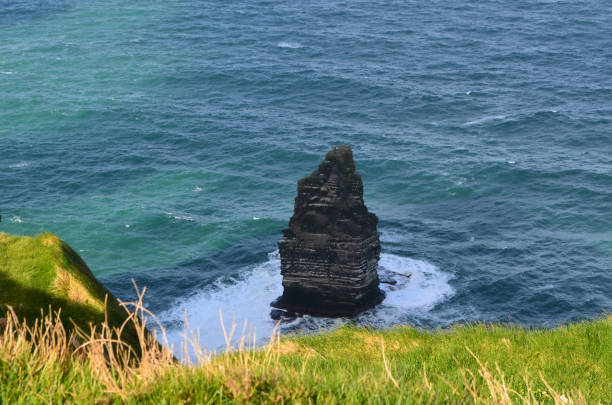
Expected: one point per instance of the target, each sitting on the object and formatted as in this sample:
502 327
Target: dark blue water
164 142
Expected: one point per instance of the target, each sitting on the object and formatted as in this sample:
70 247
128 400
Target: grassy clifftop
42 271
479 364
467 365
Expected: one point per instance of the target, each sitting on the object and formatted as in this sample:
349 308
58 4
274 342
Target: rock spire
330 252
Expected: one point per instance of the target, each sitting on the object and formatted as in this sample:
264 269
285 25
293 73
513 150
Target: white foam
19 165
198 189
485 119
7 73
292 45
426 287
248 299
394 236
256 218
16 219
180 217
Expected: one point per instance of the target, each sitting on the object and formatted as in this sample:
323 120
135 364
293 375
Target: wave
291 45
180 217
239 300
245 301
394 236
518 118
485 119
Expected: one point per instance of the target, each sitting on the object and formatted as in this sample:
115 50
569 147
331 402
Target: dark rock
330 252
393 279
282 315
386 279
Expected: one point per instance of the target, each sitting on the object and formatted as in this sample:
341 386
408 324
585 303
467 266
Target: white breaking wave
292 45
420 286
426 286
180 217
245 299
7 73
485 119
393 236
16 219
19 165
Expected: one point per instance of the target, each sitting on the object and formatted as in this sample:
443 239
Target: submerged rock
387 279
330 252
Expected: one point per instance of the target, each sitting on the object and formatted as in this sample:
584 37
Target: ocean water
163 141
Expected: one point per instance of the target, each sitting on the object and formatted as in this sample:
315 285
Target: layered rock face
330 252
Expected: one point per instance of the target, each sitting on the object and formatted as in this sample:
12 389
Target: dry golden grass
40 362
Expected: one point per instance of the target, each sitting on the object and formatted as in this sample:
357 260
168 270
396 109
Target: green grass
464 364
471 364
574 358
40 272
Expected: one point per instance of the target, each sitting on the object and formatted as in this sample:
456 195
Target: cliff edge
42 272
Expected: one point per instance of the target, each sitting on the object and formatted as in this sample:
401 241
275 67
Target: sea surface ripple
163 141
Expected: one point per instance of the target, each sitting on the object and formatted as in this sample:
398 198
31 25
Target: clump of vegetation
482 364
42 272
477 364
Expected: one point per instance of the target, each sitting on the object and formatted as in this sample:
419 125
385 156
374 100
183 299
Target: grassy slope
508 365
467 364
571 358
43 271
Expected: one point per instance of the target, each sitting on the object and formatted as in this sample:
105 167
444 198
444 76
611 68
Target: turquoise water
164 141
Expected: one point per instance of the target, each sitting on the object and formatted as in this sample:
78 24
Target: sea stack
330 252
